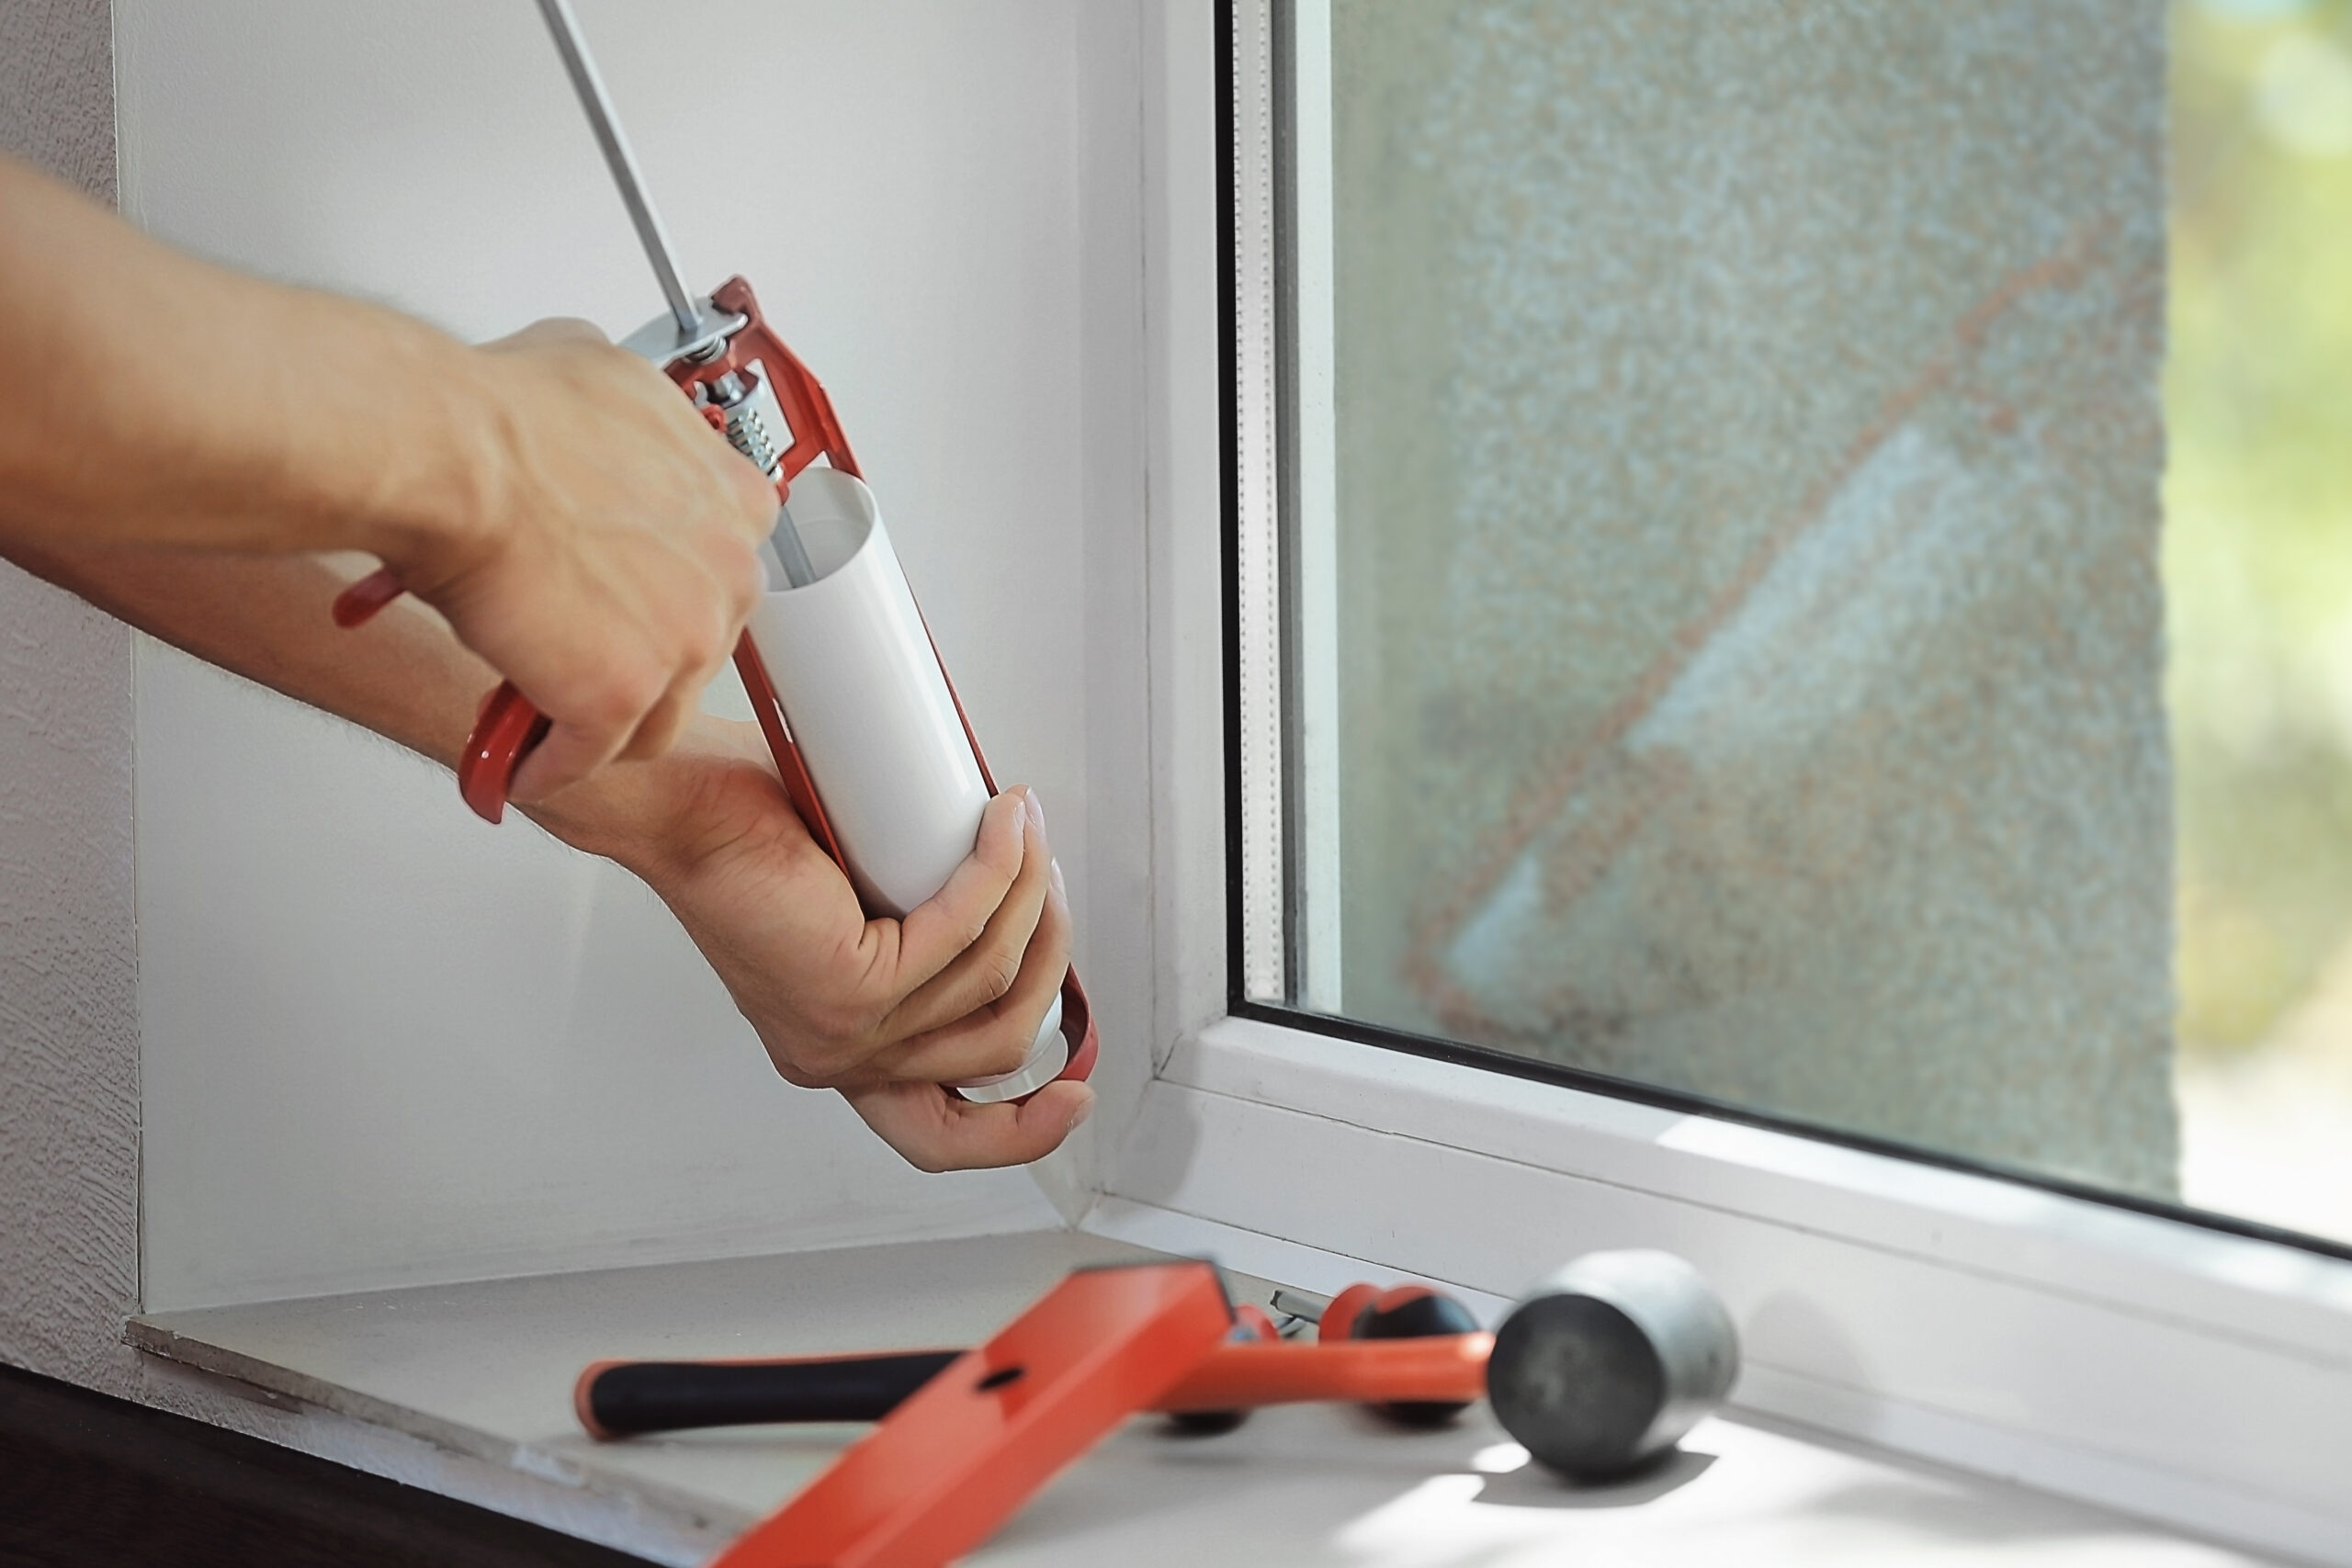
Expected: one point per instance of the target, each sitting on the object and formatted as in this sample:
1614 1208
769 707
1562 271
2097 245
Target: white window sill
484 1371
2180 1374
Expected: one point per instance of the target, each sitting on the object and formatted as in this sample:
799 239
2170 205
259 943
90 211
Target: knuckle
999 970
718 643
796 1075
1005 856
1005 1054
643 693
618 702
845 1023
754 496
819 1062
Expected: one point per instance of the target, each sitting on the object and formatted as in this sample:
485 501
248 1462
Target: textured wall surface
57 88
1749 450
69 967
69 982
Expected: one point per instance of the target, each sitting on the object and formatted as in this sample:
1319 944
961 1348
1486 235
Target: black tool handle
619 1399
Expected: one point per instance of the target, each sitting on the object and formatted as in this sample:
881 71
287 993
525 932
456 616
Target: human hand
609 562
886 1011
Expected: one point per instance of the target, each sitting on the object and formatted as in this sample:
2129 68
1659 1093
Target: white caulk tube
870 708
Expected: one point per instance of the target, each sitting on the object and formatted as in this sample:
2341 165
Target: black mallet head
1605 1364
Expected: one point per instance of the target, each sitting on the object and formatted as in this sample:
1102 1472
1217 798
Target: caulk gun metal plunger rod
622 162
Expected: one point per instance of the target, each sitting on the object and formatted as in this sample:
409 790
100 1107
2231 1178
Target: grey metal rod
620 160
791 553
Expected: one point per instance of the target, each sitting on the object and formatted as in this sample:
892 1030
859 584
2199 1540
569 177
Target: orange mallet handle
1452 1368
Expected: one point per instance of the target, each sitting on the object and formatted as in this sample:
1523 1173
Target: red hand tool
624 1399
619 1399
756 392
1597 1371
961 1454
1401 1312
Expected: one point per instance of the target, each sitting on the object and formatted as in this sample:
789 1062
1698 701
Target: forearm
707 828
265 617
402 675
152 399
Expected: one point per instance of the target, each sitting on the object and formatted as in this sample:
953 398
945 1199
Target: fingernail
1036 809
1077 1118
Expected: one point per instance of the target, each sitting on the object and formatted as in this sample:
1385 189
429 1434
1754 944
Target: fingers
570 753
936 933
934 1131
659 729
781 925
988 970
622 562
996 1036
754 497
602 720
551 331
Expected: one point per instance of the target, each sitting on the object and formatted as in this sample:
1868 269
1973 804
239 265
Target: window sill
2195 1377
484 1370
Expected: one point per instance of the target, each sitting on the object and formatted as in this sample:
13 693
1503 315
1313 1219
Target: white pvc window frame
2179 1372
1286 576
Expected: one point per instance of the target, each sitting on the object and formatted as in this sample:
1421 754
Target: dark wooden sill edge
87 1481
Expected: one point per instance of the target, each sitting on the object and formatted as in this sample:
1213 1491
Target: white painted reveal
386 1045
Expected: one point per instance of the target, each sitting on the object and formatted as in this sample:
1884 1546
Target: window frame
2192 1370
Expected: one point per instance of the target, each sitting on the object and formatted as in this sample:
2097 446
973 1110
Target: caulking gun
875 753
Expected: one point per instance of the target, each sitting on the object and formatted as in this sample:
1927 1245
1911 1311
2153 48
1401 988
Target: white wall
383 1043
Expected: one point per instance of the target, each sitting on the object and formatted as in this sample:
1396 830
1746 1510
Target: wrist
621 813
426 476
665 818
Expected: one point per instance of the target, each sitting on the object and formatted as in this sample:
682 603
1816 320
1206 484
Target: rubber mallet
1602 1367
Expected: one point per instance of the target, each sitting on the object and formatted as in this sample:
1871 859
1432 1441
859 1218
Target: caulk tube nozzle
860 684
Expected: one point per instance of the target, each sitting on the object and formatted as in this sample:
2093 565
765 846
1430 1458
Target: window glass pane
1727 541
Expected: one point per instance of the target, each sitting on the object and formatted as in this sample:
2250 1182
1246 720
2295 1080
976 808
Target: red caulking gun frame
875 750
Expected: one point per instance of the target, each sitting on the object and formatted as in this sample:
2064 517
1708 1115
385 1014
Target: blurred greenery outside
2258 512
